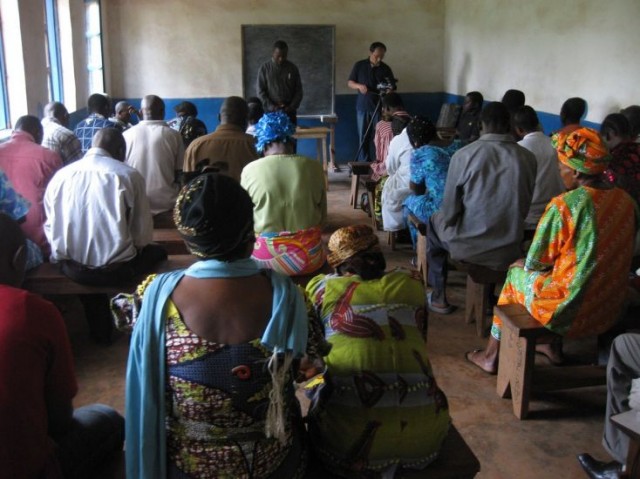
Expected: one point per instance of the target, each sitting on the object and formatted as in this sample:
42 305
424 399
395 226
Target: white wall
192 49
549 49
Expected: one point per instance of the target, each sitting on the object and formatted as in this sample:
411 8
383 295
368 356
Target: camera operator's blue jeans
97 433
368 150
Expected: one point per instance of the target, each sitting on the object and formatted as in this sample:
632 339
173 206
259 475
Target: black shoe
599 470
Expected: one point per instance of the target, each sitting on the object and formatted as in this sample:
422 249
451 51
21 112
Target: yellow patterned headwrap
349 241
582 150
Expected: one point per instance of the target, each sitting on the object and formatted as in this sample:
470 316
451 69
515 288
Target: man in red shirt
29 167
40 433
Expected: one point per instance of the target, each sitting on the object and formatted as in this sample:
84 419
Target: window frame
88 37
4 93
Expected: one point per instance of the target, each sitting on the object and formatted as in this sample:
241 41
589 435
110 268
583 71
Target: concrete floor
560 425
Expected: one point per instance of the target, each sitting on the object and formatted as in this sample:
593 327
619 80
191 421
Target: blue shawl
287 331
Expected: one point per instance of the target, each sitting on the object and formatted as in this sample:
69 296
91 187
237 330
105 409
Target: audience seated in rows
157 152
255 112
429 167
396 187
486 200
210 373
290 199
57 136
16 207
187 124
40 433
122 115
624 167
228 149
380 408
30 167
98 219
468 127
548 180
99 107
571 113
574 278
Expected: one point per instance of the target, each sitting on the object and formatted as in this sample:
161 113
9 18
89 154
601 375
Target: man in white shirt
156 151
396 189
98 220
548 181
57 136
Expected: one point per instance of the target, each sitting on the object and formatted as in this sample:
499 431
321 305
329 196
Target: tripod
365 137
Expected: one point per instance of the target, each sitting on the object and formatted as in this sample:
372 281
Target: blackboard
311 49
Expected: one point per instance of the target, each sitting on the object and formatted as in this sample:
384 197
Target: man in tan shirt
228 148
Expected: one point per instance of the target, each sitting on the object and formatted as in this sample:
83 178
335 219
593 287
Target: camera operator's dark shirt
363 72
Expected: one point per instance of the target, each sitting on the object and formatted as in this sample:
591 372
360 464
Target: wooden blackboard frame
311 49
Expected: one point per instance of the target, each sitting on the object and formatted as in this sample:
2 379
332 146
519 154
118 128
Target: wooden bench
456 461
170 239
358 170
629 423
520 334
48 280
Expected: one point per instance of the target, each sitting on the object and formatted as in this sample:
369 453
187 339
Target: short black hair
476 98
29 123
572 110
632 113
526 119
617 124
375 45
392 100
280 45
513 99
187 108
97 103
496 115
255 110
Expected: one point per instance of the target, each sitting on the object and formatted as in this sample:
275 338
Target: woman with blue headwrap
290 200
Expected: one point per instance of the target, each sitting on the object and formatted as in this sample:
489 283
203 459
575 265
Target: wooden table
629 423
318 133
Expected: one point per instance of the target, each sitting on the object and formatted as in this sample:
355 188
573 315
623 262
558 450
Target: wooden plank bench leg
355 184
421 252
473 290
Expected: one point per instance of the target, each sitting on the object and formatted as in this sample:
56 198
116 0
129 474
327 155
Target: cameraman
372 78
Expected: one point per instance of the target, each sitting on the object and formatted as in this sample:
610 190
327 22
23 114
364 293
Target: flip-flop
466 357
448 309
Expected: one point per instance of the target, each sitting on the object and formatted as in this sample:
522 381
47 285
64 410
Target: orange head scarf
582 150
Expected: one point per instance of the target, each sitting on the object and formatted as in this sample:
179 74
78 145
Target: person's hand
519 263
362 89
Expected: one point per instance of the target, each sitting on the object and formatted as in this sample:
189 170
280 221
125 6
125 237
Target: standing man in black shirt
371 77
279 86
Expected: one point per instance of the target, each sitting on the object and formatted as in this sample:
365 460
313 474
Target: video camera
386 85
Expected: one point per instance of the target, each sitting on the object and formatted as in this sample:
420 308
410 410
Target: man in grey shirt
486 199
279 86
548 180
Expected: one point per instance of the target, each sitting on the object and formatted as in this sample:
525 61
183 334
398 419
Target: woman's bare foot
480 358
552 351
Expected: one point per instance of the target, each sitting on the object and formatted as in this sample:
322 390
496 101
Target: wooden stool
358 169
421 246
371 193
629 424
480 281
520 334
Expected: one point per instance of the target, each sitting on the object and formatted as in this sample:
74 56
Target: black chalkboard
311 49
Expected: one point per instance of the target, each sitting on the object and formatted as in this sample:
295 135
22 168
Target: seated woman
381 407
574 279
290 200
624 168
429 167
209 378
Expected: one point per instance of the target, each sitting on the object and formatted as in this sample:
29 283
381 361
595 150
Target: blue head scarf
273 126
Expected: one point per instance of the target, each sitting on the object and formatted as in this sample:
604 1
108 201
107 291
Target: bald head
13 252
234 110
111 140
30 124
152 108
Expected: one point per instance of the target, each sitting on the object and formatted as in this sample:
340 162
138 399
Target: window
52 46
14 72
94 47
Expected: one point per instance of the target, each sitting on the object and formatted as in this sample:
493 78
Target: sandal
448 309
